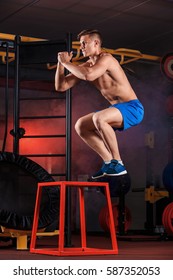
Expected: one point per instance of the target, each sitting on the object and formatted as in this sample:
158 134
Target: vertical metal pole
16 98
68 153
68 120
6 96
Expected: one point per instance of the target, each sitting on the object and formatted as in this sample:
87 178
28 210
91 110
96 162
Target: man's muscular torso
113 84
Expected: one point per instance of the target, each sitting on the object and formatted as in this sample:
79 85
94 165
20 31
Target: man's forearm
78 71
59 76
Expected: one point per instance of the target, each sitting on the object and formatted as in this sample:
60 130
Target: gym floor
130 248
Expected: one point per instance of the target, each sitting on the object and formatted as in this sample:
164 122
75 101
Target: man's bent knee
98 121
79 127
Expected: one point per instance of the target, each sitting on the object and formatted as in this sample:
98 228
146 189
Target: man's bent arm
62 82
89 73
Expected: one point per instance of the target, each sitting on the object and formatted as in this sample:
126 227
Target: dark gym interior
38 142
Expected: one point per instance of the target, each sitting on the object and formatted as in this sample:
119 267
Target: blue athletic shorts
132 112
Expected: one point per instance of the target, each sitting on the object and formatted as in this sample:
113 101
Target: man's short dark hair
90 32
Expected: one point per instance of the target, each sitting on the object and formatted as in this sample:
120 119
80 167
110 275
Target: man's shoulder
108 58
104 53
107 55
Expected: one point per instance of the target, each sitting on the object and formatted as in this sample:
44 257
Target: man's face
87 45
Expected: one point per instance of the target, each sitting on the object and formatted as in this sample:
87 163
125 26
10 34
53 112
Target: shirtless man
98 129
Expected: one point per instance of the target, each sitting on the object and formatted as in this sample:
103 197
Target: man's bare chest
104 82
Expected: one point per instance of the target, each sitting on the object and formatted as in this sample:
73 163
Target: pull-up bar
122 52
126 55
